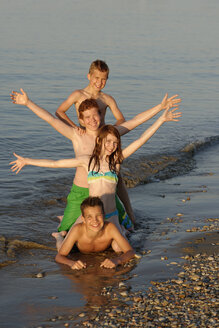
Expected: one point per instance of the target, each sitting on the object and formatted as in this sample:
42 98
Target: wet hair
87 104
91 202
99 65
115 158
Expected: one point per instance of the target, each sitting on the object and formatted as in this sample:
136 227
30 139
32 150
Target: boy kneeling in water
94 235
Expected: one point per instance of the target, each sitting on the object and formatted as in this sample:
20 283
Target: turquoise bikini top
107 176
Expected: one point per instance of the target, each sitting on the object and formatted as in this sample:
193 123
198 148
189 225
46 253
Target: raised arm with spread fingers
20 162
168 115
148 114
22 99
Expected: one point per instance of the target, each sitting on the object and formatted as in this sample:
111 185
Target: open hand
170 115
18 164
170 102
78 265
19 98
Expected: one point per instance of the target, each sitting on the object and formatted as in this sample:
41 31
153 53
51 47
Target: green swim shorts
73 211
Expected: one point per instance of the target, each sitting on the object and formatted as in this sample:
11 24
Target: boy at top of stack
97 76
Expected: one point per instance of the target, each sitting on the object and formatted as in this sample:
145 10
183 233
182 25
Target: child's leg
114 219
59 236
72 210
60 217
124 197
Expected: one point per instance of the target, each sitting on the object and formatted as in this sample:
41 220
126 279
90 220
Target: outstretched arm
20 162
66 248
123 244
148 114
22 99
168 115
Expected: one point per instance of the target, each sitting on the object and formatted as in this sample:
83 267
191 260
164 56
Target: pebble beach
189 300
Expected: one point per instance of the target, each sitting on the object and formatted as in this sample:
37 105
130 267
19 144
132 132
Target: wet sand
40 293
178 289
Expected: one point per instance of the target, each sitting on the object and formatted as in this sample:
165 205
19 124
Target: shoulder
76 227
76 95
71 238
110 228
75 230
108 99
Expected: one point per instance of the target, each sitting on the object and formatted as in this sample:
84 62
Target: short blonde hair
99 65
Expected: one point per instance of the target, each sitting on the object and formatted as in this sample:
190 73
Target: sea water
151 48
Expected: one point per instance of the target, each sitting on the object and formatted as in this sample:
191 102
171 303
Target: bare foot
60 217
59 236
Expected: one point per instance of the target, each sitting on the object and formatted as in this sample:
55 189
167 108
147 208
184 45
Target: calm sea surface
151 47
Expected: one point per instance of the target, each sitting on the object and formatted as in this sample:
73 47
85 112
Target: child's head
104 132
91 202
99 65
86 105
108 139
98 75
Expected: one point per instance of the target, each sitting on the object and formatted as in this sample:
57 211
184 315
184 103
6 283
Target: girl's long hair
115 158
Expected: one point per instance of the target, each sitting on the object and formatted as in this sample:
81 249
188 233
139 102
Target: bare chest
99 245
83 145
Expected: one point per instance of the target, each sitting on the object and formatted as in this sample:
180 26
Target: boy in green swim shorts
73 211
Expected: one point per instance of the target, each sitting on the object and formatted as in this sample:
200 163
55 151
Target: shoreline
189 300
178 220
184 289
146 292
